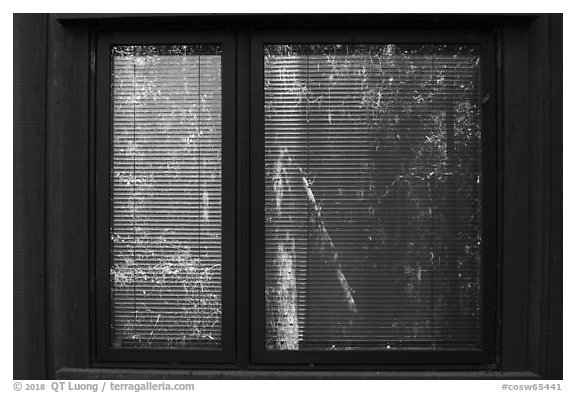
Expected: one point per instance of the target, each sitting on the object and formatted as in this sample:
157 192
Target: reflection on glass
373 188
166 196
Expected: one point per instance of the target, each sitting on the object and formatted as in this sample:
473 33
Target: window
372 200
372 195
166 198
166 213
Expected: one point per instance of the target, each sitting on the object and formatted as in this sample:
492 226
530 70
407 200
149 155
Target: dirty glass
373 197
166 196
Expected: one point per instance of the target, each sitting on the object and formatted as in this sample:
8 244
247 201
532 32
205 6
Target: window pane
373 209
166 198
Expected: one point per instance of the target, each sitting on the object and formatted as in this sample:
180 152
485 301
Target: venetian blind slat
166 199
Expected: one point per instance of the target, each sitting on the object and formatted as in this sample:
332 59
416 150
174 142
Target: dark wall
51 172
52 194
29 191
552 367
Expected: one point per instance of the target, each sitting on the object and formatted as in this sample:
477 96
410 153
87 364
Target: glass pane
166 198
373 209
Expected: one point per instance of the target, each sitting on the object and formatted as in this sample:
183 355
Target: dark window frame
103 249
479 358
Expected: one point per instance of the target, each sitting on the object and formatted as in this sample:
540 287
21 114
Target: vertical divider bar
256 168
242 186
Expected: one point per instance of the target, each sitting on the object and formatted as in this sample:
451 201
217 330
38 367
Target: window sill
93 373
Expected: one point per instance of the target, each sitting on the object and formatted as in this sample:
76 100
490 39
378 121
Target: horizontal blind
373 209
166 198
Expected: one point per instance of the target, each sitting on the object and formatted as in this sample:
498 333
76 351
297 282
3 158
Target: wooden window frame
257 355
484 357
103 245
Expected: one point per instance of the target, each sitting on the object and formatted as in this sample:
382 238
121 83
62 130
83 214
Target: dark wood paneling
277 374
553 329
295 21
538 91
52 116
67 169
515 197
532 197
29 126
